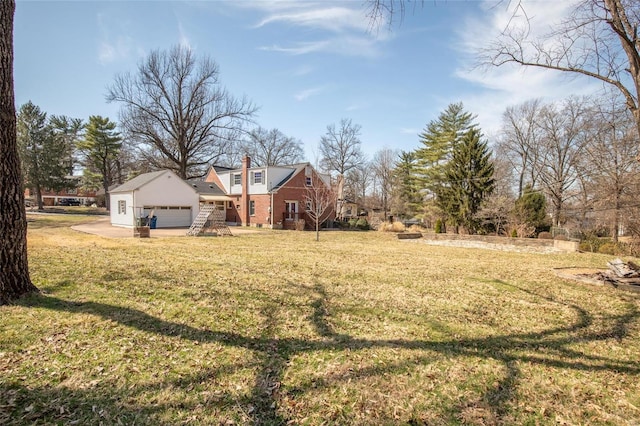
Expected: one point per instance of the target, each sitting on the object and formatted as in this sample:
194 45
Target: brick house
273 196
53 198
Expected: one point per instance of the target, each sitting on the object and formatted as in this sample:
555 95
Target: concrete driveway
102 227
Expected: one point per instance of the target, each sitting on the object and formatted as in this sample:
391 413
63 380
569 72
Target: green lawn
274 328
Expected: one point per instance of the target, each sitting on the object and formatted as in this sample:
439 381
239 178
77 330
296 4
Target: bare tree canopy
384 164
598 40
176 112
563 128
14 268
340 147
271 148
608 165
518 141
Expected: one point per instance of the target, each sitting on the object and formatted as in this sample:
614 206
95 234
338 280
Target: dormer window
257 177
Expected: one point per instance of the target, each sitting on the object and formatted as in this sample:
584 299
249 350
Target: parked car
68 202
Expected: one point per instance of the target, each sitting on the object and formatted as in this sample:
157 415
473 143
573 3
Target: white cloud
302 71
334 19
409 131
298 48
307 93
345 46
112 47
183 37
512 84
338 27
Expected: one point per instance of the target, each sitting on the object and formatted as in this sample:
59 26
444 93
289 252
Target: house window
252 208
122 207
230 204
256 177
237 179
308 205
308 181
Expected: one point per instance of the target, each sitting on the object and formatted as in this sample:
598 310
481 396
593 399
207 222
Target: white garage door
171 216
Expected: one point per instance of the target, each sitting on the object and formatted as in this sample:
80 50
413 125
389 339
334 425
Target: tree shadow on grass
553 348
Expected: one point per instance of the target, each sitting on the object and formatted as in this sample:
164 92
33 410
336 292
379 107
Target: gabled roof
206 188
297 168
139 181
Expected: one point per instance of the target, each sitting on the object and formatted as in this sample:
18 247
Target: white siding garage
173 201
170 216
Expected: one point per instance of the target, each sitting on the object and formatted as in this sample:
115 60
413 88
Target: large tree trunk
14 270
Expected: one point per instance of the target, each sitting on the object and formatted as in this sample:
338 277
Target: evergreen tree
468 181
438 140
46 161
410 196
100 148
531 209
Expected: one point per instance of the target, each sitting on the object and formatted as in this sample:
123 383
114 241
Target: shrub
561 237
300 224
391 227
514 233
416 228
545 236
353 222
362 224
438 227
592 243
608 248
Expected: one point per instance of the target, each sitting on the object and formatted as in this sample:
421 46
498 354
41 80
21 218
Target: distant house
273 196
350 210
73 193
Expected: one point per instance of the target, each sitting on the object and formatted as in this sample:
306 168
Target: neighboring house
350 210
54 198
273 196
173 201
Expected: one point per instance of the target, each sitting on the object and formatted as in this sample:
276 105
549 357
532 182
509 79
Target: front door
291 210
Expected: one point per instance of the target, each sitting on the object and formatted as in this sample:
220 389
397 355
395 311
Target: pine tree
438 140
45 156
100 148
468 181
410 196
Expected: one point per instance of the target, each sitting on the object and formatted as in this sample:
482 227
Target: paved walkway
102 227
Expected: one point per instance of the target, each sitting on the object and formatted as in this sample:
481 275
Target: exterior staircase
209 218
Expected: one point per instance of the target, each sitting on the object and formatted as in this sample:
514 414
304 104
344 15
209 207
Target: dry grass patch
275 328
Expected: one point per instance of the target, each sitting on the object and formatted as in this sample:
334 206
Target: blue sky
306 64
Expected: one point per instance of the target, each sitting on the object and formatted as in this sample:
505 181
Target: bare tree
340 150
358 183
518 141
14 267
271 148
383 164
319 199
176 111
609 164
563 134
340 147
598 40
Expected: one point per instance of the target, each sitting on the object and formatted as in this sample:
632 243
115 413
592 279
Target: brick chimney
244 206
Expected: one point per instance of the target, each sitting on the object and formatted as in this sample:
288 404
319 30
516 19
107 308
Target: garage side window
122 207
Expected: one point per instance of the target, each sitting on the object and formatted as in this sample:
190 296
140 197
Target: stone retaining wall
567 246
